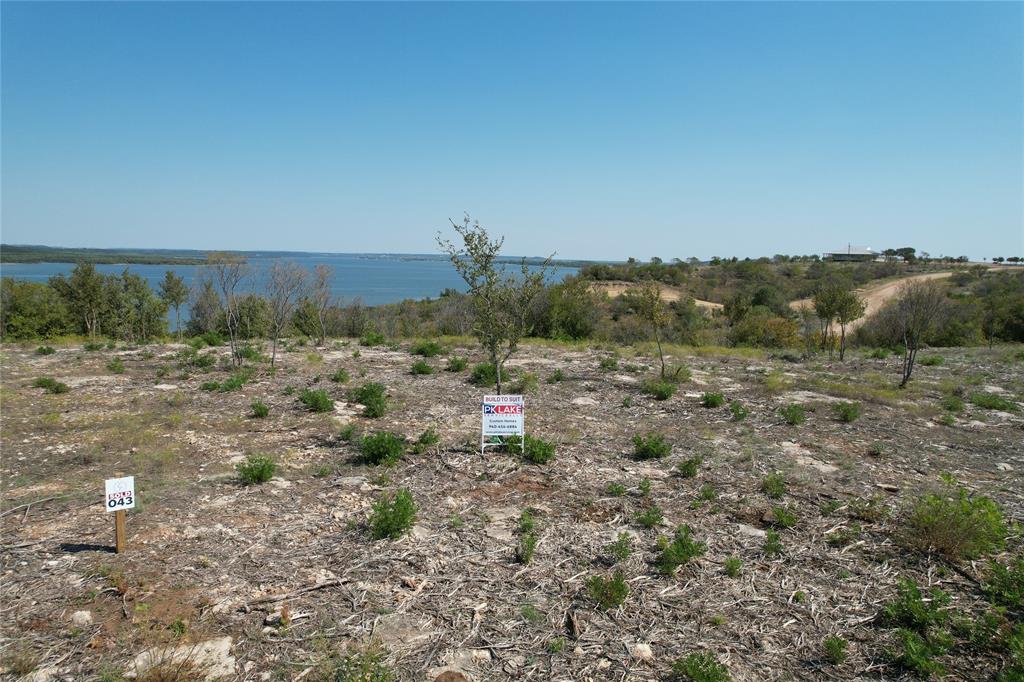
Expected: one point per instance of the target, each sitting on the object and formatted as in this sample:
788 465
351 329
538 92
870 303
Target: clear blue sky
594 130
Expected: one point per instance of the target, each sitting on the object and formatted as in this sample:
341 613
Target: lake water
373 278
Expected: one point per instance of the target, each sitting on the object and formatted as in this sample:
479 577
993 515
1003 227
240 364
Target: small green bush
679 550
213 339
526 383
712 400
651 446
1005 584
609 593
392 516
116 365
835 649
916 654
382 448
955 524
556 376
733 566
427 439
259 409
689 467
700 667
848 412
484 374
650 517
340 376
526 522
236 380
249 352
739 412
373 399
93 346
616 489
952 403
51 385
361 666
783 517
456 364
209 386
774 486
707 493
421 367
931 360
793 414
371 339
879 354
427 349
535 450
316 400
911 609
621 548
609 363
525 548
772 543
45 350
255 469
989 401
658 389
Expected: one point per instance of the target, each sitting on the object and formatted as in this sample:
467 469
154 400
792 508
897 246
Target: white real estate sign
502 415
120 493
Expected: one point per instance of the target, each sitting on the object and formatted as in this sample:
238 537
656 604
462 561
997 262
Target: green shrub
650 517
844 536
316 400
45 350
236 380
526 522
456 364
679 550
348 433
427 349
609 363
793 414
616 489
373 399
213 339
688 468
739 412
916 654
879 354
955 524
259 409
712 400
658 389
733 566
783 517
535 450
700 667
835 649
556 376
209 386
340 376
526 383
772 543
910 609
427 439
249 352
93 346
848 412
205 360
621 548
116 365
361 666
774 486
989 401
382 448
1005 584
256 469
609 593
952 403
651 446
525 548
392 515
484 374
51 385
931 360
707 493
372 339
421 367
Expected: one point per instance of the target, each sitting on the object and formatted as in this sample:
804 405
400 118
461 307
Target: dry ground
209 559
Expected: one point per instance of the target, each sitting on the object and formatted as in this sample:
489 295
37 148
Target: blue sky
594 130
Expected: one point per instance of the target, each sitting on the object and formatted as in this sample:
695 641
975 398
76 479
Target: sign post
120 496
502 415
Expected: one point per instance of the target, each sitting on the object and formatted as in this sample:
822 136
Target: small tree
83 294
653 310
917 312
319 295
849 307
501 300
174 293
228 271
826 303
285 285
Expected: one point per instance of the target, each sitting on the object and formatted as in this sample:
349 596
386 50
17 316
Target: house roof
854 251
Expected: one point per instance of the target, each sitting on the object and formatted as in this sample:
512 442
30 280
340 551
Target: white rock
81 618
213 657
584 400
166 387
1003 466
751 531
643 652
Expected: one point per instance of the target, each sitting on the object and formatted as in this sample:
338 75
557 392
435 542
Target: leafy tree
174 294
205 309
849 307
31 309
917 311
82 293
501 300
653 311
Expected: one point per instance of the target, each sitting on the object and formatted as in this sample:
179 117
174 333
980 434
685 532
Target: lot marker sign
501 415
119 496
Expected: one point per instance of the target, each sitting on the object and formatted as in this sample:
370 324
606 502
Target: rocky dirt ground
267 582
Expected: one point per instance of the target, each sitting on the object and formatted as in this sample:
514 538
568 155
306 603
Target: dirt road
668 293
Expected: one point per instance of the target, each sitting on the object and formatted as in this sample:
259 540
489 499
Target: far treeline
974 306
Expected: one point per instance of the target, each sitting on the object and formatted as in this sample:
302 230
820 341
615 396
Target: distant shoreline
20 253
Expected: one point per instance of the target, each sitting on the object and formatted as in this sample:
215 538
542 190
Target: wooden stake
120 535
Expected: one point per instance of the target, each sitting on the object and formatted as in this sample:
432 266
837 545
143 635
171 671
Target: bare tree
286 283
228 271
319 294
918 311
501 300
